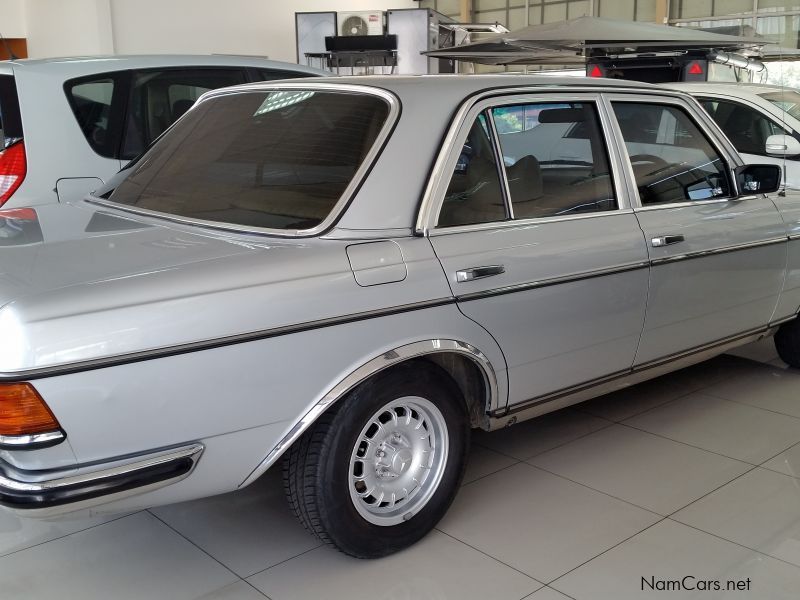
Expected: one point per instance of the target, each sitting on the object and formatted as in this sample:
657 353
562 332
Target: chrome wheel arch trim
367 370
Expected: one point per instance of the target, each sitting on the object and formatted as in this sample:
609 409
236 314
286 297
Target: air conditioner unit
368 22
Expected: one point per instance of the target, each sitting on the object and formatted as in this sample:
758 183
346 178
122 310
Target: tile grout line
66 535
500 470
214 558
669 439
587 486
277 564
494 558
661 520
735 543
776 412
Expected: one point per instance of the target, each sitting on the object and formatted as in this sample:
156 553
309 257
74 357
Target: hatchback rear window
10 120
275 160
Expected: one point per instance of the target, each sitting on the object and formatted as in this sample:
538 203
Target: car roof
77 66
725 87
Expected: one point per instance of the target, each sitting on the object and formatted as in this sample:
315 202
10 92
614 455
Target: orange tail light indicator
25 419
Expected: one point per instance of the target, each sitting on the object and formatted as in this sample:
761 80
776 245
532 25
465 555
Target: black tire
787 343
316 468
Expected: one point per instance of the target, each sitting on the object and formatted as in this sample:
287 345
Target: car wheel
377 472
787 343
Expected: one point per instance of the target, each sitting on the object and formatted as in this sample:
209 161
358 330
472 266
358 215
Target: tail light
12 170
23 412
595 71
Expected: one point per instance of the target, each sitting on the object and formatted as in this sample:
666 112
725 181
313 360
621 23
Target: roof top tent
619 49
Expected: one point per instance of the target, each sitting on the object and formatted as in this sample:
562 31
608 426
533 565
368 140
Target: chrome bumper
62 491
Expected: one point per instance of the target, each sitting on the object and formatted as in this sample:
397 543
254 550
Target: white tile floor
694 474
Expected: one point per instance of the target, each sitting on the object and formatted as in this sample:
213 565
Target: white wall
12 19
259 27
68 27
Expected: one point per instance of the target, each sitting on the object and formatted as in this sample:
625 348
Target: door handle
666 240
479 273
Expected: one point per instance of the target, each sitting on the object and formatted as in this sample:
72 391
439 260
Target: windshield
275 160
787 100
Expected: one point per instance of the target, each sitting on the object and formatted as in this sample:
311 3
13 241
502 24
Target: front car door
530 219
718 260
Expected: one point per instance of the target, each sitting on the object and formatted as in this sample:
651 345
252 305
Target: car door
748 128
718 260
533 228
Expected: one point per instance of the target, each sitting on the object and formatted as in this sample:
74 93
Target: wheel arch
469 368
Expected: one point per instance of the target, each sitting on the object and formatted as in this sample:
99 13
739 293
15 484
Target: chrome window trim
344 200
705 124
370 368
32 440
524 223
433 196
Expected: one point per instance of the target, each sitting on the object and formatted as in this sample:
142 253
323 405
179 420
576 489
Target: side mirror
758 179
782 145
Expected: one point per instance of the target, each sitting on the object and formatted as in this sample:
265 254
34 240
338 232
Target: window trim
701 120
392 101
448 156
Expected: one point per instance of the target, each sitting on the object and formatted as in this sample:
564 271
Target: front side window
672 159
556 161
267 159
746 128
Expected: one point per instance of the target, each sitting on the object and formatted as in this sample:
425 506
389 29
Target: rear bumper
57 492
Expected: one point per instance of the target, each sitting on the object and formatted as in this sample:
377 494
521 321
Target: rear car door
530 220
718 260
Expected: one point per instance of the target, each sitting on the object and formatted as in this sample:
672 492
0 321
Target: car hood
79 283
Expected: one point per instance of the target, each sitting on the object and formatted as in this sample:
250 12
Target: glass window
275 159
91 105
158 98
746 128
10 121
474 194
672 160
555 159
787 100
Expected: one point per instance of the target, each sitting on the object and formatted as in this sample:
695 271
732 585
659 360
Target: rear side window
555 159
91 100
10 120
158 98
277 160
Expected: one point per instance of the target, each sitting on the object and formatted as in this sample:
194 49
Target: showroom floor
694 474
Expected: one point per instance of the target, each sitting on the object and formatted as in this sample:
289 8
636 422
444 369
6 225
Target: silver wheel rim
398 460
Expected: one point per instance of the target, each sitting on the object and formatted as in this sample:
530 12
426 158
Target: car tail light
596 71
12 170
23 412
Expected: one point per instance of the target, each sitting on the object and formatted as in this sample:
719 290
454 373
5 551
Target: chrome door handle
666 240
479 273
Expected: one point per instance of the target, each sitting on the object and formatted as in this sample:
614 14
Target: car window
746 127
10 121
474 194
555 159
786 99
672 159
273 74
158 98
268 159
91 102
